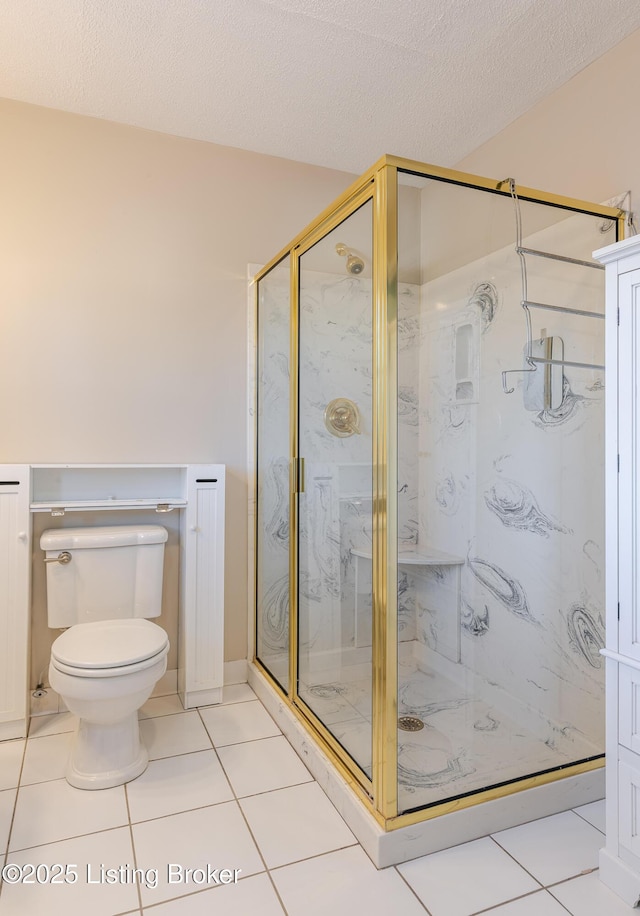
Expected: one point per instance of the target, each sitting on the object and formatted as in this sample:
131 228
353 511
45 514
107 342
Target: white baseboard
167 684
234 673
46 704
16 729
51 702
621 879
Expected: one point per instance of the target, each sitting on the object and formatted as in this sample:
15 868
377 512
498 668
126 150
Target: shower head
355 265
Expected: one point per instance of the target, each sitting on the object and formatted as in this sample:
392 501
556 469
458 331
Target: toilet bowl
102 585
105 671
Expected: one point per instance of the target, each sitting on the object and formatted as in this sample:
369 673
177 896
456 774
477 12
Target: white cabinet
620 859
201 629
196 491
15 565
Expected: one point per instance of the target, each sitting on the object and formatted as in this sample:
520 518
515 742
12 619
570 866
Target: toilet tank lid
108 536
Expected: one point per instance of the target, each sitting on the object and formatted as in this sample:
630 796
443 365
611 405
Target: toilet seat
109 648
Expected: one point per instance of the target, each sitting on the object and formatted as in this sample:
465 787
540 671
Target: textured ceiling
331 82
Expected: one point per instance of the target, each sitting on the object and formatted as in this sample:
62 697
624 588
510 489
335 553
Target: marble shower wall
335 516
335 511
518 493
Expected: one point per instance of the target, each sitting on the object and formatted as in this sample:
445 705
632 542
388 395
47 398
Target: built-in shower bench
411 560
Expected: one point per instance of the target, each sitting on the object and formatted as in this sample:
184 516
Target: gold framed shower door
380 186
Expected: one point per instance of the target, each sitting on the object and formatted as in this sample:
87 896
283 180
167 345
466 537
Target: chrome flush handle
64 558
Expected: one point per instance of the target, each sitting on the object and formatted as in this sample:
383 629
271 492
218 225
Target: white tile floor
225 789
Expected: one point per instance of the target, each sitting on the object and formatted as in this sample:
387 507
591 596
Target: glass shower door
272 502
501 492
335 499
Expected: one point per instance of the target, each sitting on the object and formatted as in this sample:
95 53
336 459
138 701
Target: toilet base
106 755
107 750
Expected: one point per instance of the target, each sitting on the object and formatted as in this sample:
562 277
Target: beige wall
581 141
123 257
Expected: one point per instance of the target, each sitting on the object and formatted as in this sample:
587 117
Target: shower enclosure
430 502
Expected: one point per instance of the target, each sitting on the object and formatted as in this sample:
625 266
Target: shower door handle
297 483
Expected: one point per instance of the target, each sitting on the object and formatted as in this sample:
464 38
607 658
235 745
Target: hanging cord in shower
525 298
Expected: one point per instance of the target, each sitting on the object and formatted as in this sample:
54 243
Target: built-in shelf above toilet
59 507
72 488
196 490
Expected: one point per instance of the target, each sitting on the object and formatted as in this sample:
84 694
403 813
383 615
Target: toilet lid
109 643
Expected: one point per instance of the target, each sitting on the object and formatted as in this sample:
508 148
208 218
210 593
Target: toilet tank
114 572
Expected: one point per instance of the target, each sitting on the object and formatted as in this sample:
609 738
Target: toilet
102 585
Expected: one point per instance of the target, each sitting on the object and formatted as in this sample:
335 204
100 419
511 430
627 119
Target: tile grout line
250 740
492 909
413 891
130 824
64 839
579 874
520 865
237 799
255 842
15 805
543 886
173 814
587 821
202 750
565 881
201 890
321 855
133 846
280 789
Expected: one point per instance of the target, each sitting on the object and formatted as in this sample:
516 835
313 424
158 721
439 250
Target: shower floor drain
410 723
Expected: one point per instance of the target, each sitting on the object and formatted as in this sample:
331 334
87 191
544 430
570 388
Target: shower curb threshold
392 847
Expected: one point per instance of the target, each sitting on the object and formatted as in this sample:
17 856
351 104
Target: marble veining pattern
516 507
502 586
484 480
568 410
586 634
505 488
467 743
475 622
447 495
485 297
275 616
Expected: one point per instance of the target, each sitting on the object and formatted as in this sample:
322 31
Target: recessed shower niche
442 561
